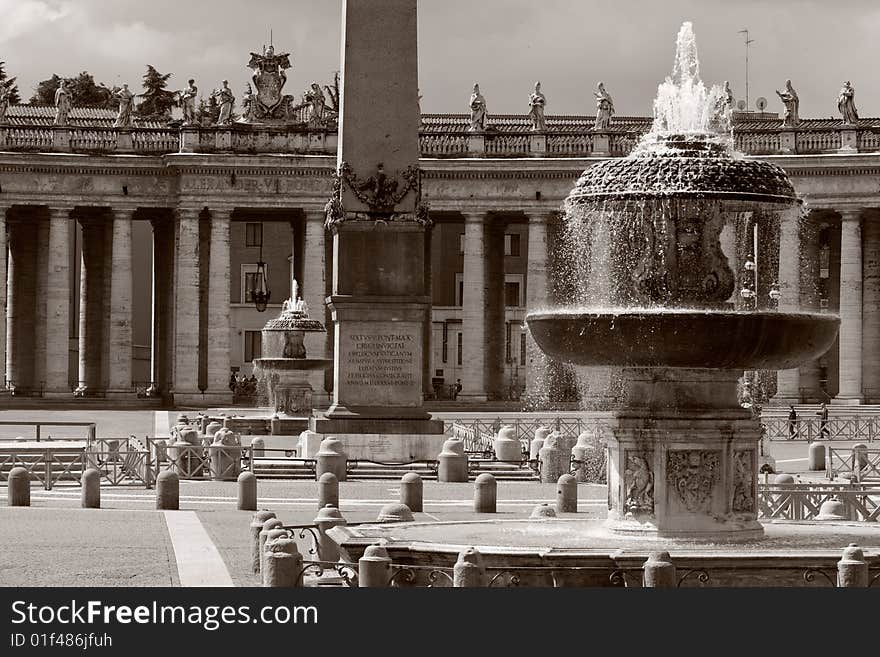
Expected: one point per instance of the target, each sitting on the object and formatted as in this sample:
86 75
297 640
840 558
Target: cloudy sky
505 45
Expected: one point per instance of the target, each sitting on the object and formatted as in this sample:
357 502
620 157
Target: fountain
284 369
652 292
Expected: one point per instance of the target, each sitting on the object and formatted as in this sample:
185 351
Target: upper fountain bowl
663 337
674 165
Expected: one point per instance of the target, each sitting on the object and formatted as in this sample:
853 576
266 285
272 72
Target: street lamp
260 294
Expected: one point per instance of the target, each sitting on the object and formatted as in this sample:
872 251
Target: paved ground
129 543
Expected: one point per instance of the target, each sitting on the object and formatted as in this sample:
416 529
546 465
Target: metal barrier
482 430
864 466
44 464
91 427
858 428
804 501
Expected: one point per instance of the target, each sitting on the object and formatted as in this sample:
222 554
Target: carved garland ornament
692 474
379 192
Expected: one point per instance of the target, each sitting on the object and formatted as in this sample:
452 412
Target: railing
857 428
862 464
44 465
37 427
804 501
485 428
442 137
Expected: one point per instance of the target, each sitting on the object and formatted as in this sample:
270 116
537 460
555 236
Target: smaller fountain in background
284 369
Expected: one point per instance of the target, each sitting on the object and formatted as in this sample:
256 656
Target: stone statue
62 104
247 103
791 101
316 101
639 482
537 101
188 103
729 102
126 100
847 105
4 98
604 108
478 110
269 78
226 101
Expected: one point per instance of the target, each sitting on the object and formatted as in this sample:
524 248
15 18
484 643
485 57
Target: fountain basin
291 364
683 338
570 551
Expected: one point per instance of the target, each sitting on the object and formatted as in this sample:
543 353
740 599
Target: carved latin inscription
381 359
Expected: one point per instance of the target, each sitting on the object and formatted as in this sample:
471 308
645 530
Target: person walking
792 423
824 432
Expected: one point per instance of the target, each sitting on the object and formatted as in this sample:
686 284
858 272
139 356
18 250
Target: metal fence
855 428
804 501
861 463
479 432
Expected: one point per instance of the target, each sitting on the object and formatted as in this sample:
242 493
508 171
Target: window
460 346
522 348
508 342
511 244
253 234
459 289
511 294
253 346
249 281
445 343
461 243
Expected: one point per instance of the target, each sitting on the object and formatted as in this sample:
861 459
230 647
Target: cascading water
654 248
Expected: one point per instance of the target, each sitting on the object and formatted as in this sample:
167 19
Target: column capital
187 213
60 211
850 214
474 217
315 214
221 213
122 213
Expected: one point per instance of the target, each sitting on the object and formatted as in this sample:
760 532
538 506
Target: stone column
850 359
788 381
41 282
871 310
3 248
186 308
120 339
537 297
314 286
91 308
473 311
58 304
809 372
218 309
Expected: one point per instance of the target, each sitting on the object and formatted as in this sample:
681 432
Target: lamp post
260 294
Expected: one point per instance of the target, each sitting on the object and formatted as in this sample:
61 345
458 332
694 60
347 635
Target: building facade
129 252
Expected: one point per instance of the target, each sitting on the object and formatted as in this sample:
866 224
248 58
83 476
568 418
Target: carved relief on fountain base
692 475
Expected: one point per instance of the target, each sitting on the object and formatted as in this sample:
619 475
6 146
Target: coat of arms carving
692 475
269 78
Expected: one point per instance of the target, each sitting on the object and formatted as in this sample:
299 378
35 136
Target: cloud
23 17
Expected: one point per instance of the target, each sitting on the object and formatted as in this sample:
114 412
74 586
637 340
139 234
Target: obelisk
380 292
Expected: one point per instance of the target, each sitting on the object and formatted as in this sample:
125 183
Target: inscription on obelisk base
381 294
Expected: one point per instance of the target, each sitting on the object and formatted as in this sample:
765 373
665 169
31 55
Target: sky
504 45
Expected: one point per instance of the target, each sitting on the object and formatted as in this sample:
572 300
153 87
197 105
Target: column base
66 393
120 394
847 401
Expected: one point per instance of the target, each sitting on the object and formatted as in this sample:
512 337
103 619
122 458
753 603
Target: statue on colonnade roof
269 78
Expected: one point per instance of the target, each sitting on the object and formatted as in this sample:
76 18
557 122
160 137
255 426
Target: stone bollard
554 462
852 571
542 512
395 512
567 494
283 564
506 445
660 571
816 457
328 518
258 447
859 456
256 527
168 491
212 428
485 493
582 447
374 568
537 443
268 526
783 479
331 457
225 455
91 489
469 570
411 491
247 491
18 491
328 490
833 509
452 462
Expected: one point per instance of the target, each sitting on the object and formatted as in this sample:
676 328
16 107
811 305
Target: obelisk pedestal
380 291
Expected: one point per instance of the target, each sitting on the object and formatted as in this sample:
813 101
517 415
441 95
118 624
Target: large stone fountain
655 297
